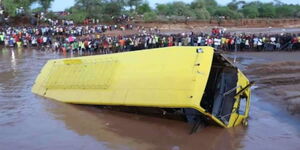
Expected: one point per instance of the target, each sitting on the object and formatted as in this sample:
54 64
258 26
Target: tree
204 4
181 9
198 4
104 10
225 11
163 9
174 9
37 10
202 13
133 4
267 10
89 7
297 14
45 4
10 6
203 8
235 5
285 11
210 3
250 11
150 16
144 8
77 15
112 9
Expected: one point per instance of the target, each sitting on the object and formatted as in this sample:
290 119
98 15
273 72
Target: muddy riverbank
277 76
31 122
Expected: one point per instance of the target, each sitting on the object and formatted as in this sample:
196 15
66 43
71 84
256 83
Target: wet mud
30 122
278 79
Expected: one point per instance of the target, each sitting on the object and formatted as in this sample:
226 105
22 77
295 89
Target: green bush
202 14
77 17
250 12
267 10
150 16
225 11
144 8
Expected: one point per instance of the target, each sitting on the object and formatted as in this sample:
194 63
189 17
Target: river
30 122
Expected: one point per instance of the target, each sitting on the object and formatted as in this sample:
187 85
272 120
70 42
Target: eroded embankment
280 81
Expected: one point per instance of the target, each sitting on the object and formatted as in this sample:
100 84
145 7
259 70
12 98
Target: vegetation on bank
107 10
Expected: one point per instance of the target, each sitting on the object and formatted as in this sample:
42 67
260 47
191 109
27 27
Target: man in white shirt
217 43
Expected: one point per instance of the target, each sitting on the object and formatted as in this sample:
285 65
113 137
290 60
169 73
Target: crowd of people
91 39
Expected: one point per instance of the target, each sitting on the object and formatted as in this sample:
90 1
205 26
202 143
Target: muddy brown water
30 122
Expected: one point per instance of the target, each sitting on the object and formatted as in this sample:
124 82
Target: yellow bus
196 81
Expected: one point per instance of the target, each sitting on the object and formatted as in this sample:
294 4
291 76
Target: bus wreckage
198 82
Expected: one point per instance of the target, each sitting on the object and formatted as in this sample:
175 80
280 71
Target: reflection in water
13 60
32 122
142 132
93 123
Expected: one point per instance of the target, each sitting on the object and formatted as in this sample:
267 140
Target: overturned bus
196 81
